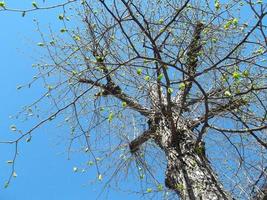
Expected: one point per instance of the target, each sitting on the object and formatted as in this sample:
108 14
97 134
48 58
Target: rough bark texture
188 171
262 194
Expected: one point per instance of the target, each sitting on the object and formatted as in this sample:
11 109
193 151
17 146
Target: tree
180 81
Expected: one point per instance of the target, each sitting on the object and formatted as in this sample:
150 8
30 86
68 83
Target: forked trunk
188 171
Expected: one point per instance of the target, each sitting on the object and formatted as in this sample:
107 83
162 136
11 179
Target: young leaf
142 176
61 17
147 78
217 5
160 76
227 93
236 75
139 71
245 73
34 4
63 30
170 90
160 187
90 163
40 44
182 86
100 178
149 190
2 4
110 116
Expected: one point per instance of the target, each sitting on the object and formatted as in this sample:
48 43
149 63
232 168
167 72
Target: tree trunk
188 171
191 177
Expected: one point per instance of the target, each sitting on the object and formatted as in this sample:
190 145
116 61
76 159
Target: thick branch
120 95
141 139
192 59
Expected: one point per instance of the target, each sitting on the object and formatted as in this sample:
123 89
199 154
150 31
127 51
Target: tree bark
190 175
188 171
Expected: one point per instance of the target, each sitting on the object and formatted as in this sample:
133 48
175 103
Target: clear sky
43 170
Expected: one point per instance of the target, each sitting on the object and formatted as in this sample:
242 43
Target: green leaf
142 176
2 4
63 30
29 139
76 37
9 161
147 78
52 42
74 72
217 5
260 50
227 93
214 40
100 177
50 87
110 116
160 187
124 104
170 90
231 22
227 25
161 30
139 71
235 21
61 17
236 75
245 73
40 44
182 86
90 163
179 187
99 59
160 76
149 190
34 4
161 21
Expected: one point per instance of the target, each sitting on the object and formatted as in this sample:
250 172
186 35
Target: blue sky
44 172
